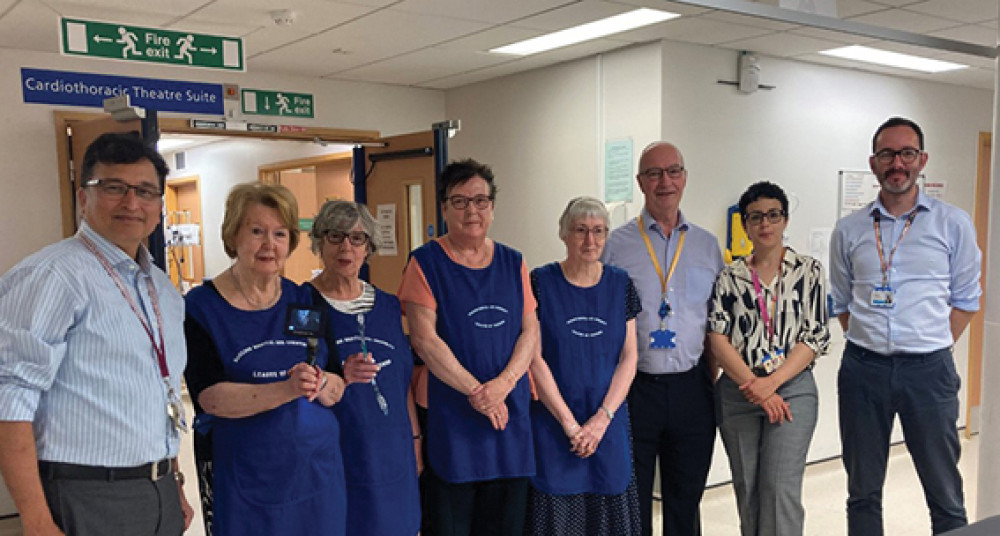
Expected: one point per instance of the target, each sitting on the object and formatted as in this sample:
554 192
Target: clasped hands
584 440
762 392
489 399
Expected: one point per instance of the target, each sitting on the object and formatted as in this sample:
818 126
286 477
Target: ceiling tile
746 20
684 10
573 15
707 31
970 33
853 8
363 41
961 10
829 35
908 21
32 26
427 64
782 44
491 38
496 12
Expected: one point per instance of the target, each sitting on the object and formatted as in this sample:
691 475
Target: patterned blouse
800 314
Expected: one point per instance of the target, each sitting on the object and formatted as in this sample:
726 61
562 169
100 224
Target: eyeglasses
581 231
908 155
356 238
461 202
656 173
773 216
117 189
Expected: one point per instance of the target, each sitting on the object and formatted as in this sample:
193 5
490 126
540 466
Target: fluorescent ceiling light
893 59
585 32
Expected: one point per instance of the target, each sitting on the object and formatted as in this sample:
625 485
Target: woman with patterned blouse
767 323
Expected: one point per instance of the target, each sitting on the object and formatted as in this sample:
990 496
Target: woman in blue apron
472 321
276 460
379 431
584 482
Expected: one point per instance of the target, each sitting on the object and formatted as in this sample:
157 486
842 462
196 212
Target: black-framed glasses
117 189
356 238
908 155
657 173
461 202
773 216
600 232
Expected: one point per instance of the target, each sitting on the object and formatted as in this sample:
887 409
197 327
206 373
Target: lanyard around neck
886 264
769 320
656 263
158 349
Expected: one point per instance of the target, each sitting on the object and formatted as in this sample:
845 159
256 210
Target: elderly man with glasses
91 354
673 264
905 273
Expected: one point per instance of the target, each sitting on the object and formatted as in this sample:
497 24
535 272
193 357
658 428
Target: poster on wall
858 188
935 189
618 175
385 220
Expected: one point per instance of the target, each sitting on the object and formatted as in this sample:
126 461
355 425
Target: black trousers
673 419
484 508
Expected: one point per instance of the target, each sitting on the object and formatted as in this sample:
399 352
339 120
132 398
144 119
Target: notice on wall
385 221
936 189
618 173
858 188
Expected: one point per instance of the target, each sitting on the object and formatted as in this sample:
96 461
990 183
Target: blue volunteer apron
583 331
278 472
479 313
383 498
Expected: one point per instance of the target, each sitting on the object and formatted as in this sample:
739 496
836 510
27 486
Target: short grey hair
580 208
342 216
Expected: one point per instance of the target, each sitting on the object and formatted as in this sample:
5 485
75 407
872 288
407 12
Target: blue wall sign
88 89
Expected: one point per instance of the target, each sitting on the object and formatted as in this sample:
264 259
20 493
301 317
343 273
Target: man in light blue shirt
91 354
905 273
673 264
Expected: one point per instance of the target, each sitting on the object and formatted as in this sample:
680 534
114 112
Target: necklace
252 303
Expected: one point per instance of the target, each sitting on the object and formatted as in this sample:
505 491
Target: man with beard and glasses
905 274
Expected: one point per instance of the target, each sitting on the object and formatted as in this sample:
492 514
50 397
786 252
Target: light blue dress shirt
76 361
936 268
688 291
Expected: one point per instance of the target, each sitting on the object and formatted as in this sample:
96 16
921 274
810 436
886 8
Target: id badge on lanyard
884 296
662 338
174 408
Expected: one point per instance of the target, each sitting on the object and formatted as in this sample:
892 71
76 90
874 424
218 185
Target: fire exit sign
134 43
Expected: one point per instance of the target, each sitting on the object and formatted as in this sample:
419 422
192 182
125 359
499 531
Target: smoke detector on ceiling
283 17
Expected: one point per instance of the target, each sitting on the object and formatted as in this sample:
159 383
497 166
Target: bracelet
179 477
608 412
417 437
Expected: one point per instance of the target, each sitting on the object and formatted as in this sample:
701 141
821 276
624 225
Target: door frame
981 220
64 119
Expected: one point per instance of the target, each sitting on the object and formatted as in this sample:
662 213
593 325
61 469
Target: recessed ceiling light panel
585 32
892 59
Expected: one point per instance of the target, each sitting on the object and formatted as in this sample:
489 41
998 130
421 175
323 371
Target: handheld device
307 321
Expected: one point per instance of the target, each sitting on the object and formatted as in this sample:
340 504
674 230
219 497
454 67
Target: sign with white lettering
135 43
87 89
283 103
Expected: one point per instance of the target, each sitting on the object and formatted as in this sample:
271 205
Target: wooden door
402 198
82 134
302 262
981 219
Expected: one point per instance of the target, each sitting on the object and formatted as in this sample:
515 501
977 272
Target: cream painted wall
816 122
27 146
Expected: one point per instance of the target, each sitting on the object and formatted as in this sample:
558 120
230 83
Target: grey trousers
137 507
768 460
